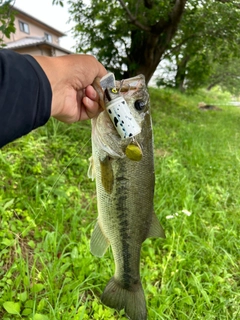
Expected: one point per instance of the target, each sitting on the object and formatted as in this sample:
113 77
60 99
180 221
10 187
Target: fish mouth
113 134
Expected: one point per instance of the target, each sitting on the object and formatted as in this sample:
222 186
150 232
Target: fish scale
125 191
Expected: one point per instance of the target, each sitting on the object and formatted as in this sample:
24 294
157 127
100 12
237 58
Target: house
34 37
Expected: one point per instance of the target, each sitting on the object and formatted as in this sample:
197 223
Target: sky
53 15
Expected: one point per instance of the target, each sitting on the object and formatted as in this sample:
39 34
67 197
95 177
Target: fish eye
139 105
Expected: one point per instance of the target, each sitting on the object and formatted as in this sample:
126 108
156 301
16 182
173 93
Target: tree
6 19
133 37
226 75
128 37
208 37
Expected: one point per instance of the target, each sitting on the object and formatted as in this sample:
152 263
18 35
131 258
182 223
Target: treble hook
121 85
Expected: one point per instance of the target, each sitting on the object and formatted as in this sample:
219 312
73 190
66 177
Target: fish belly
125 216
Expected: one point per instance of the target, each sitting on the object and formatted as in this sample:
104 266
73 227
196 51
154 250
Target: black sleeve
25 96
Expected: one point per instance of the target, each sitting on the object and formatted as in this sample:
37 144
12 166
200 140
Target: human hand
70 77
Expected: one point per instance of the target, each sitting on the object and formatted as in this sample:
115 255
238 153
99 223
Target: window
48 37
24 27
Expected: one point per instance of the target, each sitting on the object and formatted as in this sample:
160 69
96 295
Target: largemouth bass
125 191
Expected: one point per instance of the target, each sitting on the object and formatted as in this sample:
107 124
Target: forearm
25 96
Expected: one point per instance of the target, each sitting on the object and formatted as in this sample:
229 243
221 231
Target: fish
125 194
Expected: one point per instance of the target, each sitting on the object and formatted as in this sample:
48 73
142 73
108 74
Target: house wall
35 30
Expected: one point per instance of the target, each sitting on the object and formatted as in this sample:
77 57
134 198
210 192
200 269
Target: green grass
48 210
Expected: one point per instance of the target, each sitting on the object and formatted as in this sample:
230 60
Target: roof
33 41
59 33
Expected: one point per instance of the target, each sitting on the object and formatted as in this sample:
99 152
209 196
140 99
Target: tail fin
133 302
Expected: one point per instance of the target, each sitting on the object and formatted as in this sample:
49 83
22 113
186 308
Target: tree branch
178 9
235 3
178 46
173 19
225 74
133 19
148 4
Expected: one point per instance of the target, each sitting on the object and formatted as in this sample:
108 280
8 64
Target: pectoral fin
156 230
91 170
107 174
99 243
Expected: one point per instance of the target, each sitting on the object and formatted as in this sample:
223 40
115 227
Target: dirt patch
161 153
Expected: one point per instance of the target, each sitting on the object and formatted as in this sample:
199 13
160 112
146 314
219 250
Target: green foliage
101 30
48 210
6 20
59 2
133 37
206 41
227 76
125 37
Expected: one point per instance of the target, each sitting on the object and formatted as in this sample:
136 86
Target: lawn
48 210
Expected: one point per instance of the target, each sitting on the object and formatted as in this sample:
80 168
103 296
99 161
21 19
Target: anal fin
155 230
99 243
91 169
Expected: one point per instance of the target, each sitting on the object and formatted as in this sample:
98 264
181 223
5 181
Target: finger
91 93
95 94
91 110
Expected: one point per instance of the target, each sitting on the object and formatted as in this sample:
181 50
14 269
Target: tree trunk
212 85
144 58
150 42
181 73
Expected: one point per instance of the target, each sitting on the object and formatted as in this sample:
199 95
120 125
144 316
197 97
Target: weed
48 210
